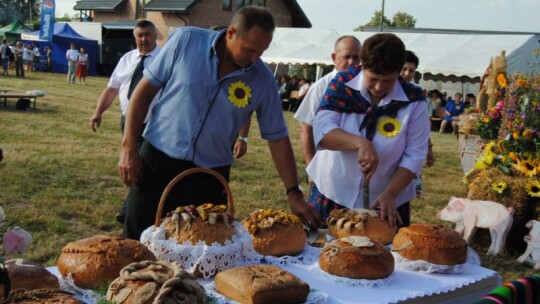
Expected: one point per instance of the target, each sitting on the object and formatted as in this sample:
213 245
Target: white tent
445 54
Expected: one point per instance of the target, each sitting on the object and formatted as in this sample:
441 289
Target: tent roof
446 54
16 27
60 29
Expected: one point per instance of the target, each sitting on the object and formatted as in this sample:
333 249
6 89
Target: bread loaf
261 284
431 243
40 296
275 232
208 223
357 257
100 259
26 275
155 282
361 222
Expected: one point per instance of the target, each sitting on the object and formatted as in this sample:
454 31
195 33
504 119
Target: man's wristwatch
244 139
295 188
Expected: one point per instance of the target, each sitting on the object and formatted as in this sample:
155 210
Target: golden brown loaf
40 296
100 259
357 257
275 232
155 282
361 222
261 284
208 223
26 275
431 243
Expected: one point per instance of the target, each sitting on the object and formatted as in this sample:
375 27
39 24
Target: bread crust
40 296
342 259
199 230
275 232
27 275
360 222
261 284
432 243
100 258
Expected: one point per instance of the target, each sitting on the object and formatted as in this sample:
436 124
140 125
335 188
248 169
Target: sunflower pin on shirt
239 94
388 126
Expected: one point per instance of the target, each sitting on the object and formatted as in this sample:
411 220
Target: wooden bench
5 94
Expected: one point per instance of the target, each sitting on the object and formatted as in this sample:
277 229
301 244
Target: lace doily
317 271
85 295
314 296
206 259
309 256
427 267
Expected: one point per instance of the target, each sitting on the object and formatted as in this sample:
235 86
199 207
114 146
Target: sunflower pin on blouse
239 94
388 126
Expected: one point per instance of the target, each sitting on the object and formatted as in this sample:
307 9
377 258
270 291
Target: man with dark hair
211 84
372 132
119 85
409 67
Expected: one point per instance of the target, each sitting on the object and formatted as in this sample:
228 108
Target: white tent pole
275 70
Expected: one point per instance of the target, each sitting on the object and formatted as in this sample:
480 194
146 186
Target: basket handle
172 183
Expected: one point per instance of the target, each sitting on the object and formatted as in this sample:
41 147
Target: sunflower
527 134
533 188
489 147
526 167
388 126
499 187
501 80
239 94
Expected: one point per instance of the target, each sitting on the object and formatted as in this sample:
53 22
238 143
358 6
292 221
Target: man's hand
239 149
305 212
129 166
95 122
430 159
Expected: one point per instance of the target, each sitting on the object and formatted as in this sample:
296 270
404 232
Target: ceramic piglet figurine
470 214
532 253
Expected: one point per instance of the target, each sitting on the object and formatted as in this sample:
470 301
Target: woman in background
82 66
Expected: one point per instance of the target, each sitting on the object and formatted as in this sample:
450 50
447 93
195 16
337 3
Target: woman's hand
388 210
368 158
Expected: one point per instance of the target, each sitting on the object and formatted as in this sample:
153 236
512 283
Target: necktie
137 75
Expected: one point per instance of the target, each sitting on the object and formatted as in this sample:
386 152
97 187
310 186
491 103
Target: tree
403 20
400 19
22 10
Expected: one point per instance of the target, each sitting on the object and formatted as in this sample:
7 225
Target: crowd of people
23 57
365 125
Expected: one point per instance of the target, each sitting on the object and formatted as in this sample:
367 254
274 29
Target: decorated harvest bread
155 282
361 222
357 257
26 275
261 284
275 232
208 223
40 296
100 259
431 243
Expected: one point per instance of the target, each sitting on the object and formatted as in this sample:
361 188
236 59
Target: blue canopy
63 36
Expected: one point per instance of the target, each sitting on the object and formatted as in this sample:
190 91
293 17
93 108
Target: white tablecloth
403 285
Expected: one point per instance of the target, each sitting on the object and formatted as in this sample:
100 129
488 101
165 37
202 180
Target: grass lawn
59 179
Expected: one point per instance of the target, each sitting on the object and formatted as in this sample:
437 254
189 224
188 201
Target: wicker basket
200 259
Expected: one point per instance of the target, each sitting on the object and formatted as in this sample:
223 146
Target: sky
491 15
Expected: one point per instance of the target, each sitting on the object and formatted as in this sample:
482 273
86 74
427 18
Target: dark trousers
157 171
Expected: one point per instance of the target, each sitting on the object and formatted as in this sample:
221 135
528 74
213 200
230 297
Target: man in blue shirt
211 83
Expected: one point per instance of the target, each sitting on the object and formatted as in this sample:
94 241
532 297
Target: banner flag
47 20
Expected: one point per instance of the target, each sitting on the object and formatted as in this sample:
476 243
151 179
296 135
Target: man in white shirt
72 56
346 53
145 37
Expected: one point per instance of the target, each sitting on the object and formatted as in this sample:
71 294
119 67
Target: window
261 2
226 5
242 3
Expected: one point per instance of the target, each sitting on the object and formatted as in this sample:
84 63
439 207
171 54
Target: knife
365 192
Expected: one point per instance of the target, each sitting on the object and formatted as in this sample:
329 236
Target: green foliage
400 20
